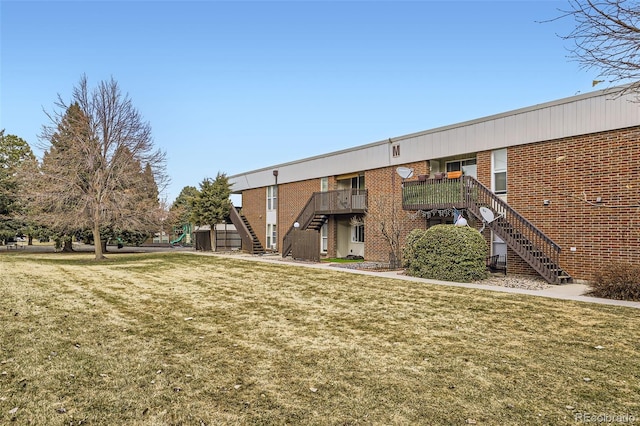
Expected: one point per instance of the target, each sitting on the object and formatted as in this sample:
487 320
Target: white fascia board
582 114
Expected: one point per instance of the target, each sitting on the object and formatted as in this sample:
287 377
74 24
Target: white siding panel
411 151
545 124
499 134
556 120
487 138
424 148
569 126
588 113
511 129
436 145
583 116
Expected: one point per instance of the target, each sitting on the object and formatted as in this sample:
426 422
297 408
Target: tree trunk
30 238
68 245
97 242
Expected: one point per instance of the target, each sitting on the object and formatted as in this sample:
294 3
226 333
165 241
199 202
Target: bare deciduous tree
386 217
99 156
607 38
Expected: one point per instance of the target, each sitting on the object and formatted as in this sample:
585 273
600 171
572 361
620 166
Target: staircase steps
250 241
256 246
317 222
533 246
320 206
528 250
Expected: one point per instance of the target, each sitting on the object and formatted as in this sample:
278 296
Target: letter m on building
395 150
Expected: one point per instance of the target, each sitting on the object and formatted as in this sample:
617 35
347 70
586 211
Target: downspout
275 175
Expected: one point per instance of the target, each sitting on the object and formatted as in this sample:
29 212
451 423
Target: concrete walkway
566 291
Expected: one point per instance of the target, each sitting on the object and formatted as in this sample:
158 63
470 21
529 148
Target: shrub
446 252
618 280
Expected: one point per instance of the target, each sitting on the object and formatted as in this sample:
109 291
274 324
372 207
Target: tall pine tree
212 203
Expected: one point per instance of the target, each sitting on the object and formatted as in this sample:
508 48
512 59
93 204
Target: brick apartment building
555 188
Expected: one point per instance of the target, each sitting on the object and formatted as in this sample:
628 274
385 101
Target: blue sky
236 86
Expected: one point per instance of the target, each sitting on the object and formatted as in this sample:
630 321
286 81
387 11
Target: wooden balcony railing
529 242
433 194
344 201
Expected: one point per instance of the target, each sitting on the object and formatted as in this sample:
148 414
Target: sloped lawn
162 339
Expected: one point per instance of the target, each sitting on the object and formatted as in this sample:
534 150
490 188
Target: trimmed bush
447 253
618 281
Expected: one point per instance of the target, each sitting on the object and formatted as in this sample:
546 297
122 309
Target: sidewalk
565 291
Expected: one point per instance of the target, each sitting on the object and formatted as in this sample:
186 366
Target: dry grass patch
182 339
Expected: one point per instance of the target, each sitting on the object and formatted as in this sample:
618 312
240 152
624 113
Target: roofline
611 91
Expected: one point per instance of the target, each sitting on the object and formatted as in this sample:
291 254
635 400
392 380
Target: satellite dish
404 172
487 214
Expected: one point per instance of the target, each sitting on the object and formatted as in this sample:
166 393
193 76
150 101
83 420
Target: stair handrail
478 195
245 234
315 206
306 212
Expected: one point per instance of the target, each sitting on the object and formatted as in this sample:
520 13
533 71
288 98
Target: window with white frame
499 171
272 236
272 197
498 247
357 182
357 233
324 231
324 238
324 184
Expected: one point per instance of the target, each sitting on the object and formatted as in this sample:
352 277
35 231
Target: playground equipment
185 232
177 240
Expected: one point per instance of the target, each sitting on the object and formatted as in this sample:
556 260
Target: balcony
339 202
431 194
529 242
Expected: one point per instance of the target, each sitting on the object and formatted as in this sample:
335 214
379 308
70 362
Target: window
272 236
272 197
357 182
454 166
468 166
437 220
357 233
324 238
499 171
324 184
499 247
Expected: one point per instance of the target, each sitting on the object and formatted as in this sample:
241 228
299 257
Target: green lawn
169 339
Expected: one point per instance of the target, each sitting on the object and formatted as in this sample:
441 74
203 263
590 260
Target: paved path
565 291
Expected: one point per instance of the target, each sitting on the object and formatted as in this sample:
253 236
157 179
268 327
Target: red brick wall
571 173
292 199
483 162
384 196
254 208
515 263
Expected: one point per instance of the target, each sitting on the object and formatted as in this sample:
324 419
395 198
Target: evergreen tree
212 204
15 157
180 211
